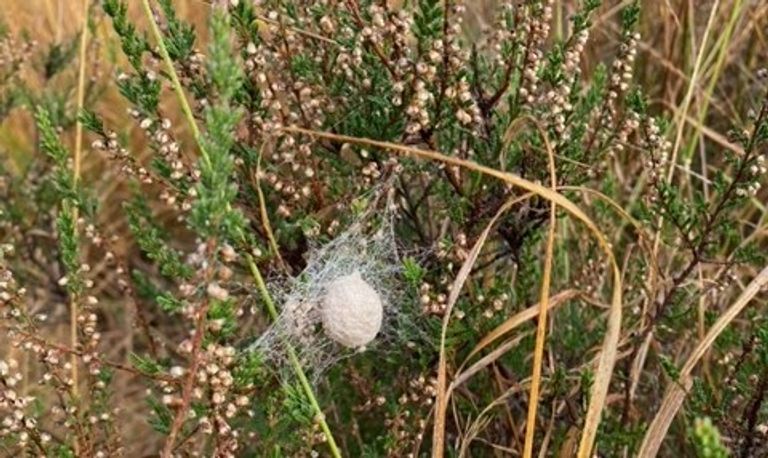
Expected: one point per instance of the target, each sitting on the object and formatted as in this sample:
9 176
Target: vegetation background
698 67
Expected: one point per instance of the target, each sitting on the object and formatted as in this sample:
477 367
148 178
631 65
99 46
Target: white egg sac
352 311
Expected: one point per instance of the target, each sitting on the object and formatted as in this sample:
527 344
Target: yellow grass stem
77 166
541 326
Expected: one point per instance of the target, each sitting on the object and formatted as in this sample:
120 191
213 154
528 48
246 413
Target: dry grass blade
715 136
637 365
613 329
471 434
444 393
541 327
488 359
477 423
676 393
615 205
441 404
547 436
682 112
519 318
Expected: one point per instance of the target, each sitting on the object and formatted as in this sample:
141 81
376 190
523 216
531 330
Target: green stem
175 80
721 52
294 359
309 393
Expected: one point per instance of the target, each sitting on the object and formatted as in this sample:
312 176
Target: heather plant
364 228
